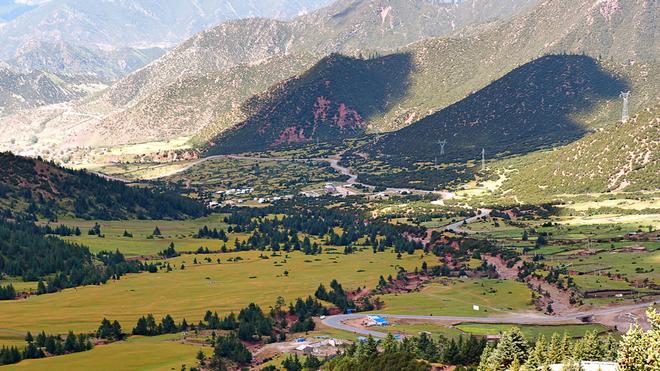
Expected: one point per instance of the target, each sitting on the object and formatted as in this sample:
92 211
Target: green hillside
526 110
35 186
622 157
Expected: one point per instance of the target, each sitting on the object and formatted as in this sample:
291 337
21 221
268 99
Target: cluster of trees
62 230
147 326
231 347
215 234
27 252
516 353
336 296
170 252
109 330
95 230
394 355
45 345
293 363
7 292
304 310
282 233
114 266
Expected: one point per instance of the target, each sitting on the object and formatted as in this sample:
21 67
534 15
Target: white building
590 366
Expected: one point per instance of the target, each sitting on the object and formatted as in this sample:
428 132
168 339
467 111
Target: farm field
136 353
189 292
457 297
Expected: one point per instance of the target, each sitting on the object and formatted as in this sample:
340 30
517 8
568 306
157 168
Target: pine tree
538 356
555 353
484 363
367 349
639 350
512 345
389 344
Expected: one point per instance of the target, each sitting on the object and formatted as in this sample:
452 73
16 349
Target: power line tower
442 144
624 113
483 159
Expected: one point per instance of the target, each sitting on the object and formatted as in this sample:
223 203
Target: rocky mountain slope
66 58
134 23
294 111
206 79
444 71
20 91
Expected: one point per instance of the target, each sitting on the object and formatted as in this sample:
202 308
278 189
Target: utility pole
624 113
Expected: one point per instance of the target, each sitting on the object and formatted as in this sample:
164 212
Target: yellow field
643 219
179 232
137 353
190 292
617 203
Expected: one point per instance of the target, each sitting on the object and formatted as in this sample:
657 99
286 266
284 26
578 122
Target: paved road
337 321
456 227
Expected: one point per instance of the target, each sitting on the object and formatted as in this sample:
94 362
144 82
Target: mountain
133 23
199 87
43 188
19 91
444 71
530 108
294 111
10 9
66 58
621 157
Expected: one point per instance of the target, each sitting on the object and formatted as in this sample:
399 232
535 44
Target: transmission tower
624 114
483 159
442 144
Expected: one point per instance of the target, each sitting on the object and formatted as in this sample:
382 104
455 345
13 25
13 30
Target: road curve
337 321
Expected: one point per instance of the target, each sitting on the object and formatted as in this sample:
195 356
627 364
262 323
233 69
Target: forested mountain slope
35 186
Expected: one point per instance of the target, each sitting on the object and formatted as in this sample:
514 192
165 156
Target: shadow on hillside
332 101
528 109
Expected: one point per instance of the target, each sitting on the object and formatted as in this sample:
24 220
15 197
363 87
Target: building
375 320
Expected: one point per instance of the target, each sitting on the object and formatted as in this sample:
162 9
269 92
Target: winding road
338 321
334 162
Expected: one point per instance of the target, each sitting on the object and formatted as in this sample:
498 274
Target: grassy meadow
137 353
189 292
457 297
179 232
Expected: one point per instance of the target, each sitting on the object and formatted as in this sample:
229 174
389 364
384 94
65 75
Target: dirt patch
500 266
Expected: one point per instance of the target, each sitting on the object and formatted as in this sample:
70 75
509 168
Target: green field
188 293
137 353
414 329
531 331
457 297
